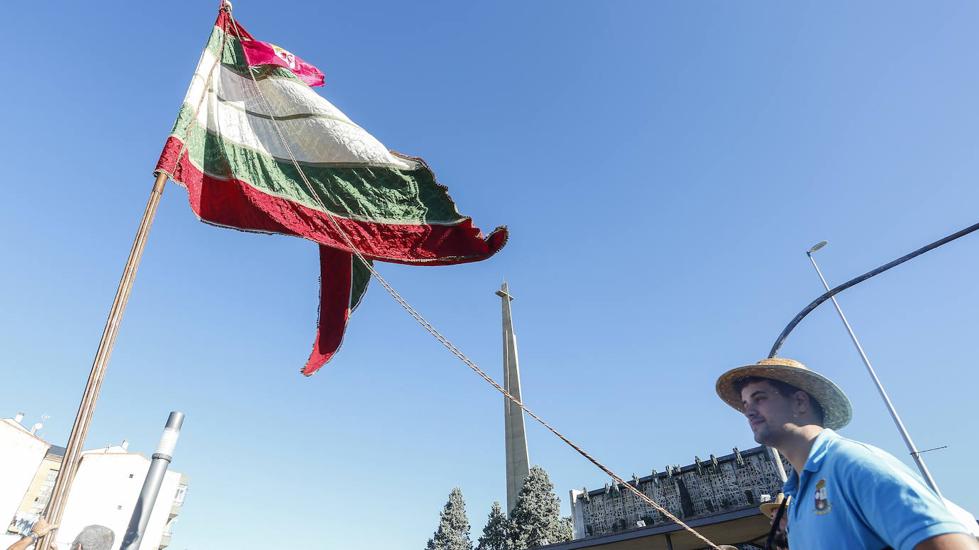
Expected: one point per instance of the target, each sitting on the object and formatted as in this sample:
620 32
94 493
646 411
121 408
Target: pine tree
496 534
453 530
537 515
566 529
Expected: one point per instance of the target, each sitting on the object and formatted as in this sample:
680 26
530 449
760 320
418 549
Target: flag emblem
285 56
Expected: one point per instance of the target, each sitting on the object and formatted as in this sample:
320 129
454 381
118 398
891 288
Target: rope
441 338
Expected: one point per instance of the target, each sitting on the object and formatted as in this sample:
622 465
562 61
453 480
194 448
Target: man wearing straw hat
845 494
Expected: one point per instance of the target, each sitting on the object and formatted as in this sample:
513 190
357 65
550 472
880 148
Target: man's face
767 411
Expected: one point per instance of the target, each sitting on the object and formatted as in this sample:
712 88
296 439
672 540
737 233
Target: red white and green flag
248 115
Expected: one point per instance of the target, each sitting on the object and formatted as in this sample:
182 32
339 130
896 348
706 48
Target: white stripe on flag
330 137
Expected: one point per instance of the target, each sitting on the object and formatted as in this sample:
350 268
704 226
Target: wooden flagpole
73 449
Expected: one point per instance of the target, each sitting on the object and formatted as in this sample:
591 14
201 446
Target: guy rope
86 409
435 332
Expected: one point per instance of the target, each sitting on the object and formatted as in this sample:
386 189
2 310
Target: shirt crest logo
822 499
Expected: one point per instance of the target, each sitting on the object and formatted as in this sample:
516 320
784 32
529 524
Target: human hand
42 527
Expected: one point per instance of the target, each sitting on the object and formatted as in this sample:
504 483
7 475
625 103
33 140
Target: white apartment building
105 491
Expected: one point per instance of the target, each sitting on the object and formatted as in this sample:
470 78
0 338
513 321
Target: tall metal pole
153 482
915 454
79 430
857 280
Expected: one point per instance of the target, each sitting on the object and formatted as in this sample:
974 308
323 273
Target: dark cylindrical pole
152 483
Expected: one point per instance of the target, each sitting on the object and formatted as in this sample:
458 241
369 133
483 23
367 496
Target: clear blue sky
662 168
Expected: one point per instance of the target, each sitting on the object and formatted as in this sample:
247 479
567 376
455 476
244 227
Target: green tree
453 530
496 534
537 515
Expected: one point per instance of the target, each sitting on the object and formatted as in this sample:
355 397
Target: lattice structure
707 487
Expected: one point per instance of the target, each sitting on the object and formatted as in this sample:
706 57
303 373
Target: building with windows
21 453
39 492
718 496
106 488
105 492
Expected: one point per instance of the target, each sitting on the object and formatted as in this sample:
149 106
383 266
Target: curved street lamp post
915 453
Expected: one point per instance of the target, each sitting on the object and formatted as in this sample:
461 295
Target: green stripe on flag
360 276
377 194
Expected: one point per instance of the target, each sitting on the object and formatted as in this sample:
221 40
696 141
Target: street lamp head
817 246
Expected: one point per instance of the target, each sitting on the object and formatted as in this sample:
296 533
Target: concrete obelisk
517 457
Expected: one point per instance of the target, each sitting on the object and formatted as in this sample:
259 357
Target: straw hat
836 406
769 507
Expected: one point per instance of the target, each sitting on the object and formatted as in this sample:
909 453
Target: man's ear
800 403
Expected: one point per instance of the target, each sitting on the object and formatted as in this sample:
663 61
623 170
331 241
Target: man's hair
94 537
783 388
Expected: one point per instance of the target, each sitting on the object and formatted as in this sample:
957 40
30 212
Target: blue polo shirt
852 495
